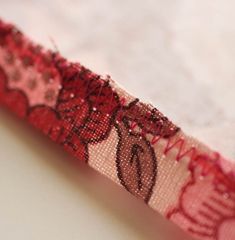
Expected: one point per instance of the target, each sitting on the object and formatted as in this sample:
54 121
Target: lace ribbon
127 140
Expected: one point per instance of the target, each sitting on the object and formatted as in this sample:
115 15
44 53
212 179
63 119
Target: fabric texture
129 141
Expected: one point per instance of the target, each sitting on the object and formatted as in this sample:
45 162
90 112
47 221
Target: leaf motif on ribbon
136 163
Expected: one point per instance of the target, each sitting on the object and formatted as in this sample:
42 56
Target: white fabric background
177 54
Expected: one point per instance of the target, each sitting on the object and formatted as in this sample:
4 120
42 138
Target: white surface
178 54
44 195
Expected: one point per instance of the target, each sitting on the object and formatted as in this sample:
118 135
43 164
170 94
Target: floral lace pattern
135 145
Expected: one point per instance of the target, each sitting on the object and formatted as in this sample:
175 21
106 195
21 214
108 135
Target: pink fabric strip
127 140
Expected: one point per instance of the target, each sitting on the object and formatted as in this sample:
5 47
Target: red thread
209 165
48 62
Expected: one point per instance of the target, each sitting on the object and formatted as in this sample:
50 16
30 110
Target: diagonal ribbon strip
128 141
